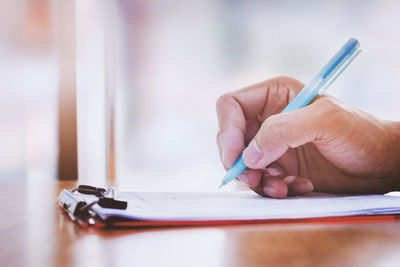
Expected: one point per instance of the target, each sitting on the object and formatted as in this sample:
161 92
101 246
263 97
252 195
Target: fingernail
244 178
303 187
274 171
289 179
269 190
252 154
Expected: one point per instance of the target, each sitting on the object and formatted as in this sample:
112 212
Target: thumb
282 131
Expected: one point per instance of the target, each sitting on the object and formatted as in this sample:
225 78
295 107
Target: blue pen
317 85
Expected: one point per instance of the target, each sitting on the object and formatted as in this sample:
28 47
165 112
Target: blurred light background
147 74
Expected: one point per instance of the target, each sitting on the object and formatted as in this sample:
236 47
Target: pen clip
339 71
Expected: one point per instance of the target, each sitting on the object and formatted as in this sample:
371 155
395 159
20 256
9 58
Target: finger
260 100
232 145
274 169
220 149
251 178
280 92
298 185
289 130
272 186
252 127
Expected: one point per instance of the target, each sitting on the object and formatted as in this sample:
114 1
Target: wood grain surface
35 232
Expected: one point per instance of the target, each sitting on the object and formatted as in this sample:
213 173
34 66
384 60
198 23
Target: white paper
194 206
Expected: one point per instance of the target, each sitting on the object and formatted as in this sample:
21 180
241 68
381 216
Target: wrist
393 148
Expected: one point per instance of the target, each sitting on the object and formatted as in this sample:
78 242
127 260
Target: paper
220 206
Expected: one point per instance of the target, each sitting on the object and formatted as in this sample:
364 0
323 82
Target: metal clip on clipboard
80 210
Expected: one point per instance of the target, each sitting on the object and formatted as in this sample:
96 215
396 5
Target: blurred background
125 90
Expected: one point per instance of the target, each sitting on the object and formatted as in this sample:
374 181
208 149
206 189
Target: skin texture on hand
327 146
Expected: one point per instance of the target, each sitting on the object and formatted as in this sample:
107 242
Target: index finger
258 101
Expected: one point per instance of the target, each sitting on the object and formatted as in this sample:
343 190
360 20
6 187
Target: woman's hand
327 146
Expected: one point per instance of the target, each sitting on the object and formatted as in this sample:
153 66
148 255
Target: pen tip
221 185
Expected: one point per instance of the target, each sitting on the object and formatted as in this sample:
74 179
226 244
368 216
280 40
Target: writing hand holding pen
326 146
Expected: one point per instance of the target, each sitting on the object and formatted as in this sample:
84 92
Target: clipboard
85 205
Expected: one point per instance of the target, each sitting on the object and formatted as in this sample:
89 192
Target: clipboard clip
91 190
80 209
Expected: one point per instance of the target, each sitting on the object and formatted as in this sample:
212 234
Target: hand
327 146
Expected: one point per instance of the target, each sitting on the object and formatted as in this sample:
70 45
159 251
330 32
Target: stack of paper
237 206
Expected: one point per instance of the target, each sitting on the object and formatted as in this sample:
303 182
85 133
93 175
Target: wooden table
34 232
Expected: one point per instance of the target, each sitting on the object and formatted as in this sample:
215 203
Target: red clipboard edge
317 220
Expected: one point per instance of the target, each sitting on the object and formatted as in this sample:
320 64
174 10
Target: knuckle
222 100
290 84
330 104
339 115
273 126
284 89
278 129
284 80
267 127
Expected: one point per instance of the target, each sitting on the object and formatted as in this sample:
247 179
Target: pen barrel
339 58
305 95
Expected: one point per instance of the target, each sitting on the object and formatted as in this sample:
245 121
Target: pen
317 85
